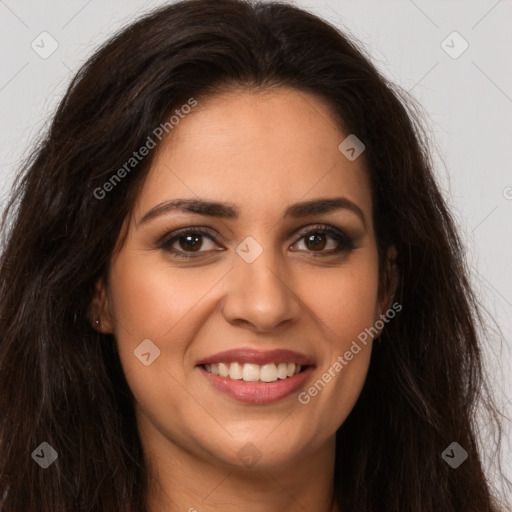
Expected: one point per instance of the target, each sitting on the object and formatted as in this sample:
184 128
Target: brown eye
190 242
185 242
325 240
315 241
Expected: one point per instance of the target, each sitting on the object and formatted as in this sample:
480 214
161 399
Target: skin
261 151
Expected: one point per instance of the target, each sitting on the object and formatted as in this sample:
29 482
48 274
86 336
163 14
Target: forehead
261 150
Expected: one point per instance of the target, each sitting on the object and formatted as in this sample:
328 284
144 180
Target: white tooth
282 371
235 371
268 373
251 372
223 370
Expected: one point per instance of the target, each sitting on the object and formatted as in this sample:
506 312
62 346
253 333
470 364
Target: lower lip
257 392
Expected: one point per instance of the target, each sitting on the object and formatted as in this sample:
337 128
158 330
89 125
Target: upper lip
260 357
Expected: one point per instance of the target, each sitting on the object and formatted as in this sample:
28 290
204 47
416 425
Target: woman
230 282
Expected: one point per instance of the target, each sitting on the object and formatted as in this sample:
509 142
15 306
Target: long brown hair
61 381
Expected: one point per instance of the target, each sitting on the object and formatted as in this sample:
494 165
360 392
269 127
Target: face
271 272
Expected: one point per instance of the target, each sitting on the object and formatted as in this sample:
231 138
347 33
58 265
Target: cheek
151 299
345 300
345 304
149 302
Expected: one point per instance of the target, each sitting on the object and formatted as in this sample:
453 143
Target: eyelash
346 243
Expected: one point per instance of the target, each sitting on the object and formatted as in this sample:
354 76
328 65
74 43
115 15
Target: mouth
257 377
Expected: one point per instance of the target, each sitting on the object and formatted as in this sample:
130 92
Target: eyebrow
230 211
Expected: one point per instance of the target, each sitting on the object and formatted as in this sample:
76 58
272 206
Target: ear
100 309
389 281
387 285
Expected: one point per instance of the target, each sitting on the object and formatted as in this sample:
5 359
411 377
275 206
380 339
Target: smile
257 376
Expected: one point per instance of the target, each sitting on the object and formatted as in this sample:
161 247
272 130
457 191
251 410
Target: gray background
467 101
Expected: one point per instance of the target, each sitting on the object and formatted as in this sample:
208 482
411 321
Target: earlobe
99 309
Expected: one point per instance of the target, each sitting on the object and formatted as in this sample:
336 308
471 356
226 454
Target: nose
259 297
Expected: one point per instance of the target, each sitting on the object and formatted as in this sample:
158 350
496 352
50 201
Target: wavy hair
62 382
